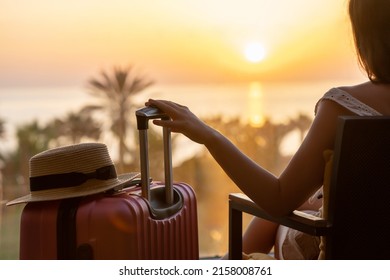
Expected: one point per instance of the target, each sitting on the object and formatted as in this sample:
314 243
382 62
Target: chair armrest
240 203
297 219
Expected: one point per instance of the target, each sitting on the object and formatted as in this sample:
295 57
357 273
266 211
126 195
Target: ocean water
248 101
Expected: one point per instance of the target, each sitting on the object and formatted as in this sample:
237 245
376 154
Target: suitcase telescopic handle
143 116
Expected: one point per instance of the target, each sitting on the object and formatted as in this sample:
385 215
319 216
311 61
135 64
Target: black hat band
71 179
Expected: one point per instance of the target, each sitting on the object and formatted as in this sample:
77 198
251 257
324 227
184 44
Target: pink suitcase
144 221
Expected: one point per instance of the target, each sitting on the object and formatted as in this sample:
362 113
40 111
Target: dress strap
349 102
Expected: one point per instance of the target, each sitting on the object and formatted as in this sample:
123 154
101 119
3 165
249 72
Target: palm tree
116 94
32 139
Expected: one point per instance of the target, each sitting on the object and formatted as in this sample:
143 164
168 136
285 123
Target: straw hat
72 171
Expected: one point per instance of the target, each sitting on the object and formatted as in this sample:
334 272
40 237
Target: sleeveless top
293 244
349 102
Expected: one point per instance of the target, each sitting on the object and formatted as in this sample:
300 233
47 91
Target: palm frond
95 84
121 76
137 85
88 109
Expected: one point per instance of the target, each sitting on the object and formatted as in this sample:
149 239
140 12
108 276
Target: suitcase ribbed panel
176 237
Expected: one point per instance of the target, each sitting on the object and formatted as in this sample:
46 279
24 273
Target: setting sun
254 52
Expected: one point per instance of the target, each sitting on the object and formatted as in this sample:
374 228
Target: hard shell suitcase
144 221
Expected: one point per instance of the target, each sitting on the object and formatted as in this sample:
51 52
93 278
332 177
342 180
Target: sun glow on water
255 99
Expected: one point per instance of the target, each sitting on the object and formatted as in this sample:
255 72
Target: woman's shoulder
351 98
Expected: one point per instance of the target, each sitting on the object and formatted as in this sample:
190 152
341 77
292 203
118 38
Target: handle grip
147 113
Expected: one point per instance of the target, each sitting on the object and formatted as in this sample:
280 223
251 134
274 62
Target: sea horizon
247 101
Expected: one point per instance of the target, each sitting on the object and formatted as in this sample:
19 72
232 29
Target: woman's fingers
165 105
166 123
182 119
162 104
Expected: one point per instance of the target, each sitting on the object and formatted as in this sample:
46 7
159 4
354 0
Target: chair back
359 193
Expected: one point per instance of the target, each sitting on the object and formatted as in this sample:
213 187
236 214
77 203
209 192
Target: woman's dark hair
370 20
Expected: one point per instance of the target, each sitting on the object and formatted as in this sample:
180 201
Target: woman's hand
182 120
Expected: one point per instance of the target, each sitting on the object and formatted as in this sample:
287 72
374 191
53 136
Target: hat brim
93 187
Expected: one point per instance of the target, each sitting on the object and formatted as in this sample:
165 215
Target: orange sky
55 42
